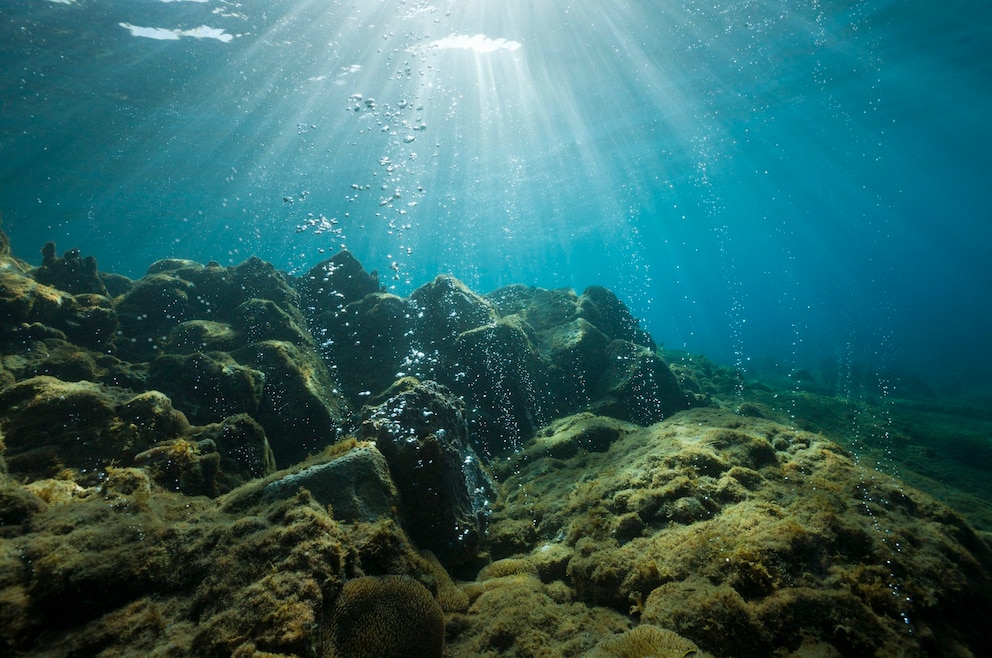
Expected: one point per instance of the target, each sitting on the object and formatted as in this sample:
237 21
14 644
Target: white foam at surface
165 34
479 43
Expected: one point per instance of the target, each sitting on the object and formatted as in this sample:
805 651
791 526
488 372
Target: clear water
799 181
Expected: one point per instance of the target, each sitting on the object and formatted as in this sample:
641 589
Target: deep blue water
801 181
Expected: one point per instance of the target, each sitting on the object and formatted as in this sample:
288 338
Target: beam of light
561 144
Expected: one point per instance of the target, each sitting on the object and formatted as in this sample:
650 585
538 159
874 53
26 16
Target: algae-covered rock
203 336
606 312
621 526
518 615
24 301
72 272
243 450
368 342
356 485
422 432
508 385
301 409
638 386
447 308
252 298
263 319
207 387
49 425
336 282
743 535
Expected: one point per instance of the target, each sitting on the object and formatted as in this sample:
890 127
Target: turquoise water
785 183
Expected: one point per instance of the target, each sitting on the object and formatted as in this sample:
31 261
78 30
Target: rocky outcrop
520 357
422 431
141 511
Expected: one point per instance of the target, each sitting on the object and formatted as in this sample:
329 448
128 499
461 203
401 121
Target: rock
71 273
252 297
263 319
447 308
182 465
638 386
301 408
116 284
17 504
611 316
367 342
333 283
578 350
243 447
203 336
149 311
356 485
90 322
172 265
507 385
49 425
700 526
422 433
24 301
45 351
255 278
207 387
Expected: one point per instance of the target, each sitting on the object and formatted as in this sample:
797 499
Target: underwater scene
621 329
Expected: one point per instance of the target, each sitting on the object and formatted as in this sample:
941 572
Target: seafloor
231 461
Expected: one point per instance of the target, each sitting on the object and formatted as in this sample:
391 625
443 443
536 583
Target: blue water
794 183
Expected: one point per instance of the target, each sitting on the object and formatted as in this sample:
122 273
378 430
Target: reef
235 461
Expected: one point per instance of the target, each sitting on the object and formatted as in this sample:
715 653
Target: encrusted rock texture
230 461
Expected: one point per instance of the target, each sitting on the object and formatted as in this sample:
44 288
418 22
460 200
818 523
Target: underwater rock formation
229 461
422 431
520 357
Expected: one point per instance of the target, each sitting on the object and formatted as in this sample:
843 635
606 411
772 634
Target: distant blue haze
794 182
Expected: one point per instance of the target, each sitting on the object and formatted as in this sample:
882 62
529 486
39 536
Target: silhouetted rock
422 432
638 386
611 316
209 386
301 409
336 282
72 272
445 309
368 342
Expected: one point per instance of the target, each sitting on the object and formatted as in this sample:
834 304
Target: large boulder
607 313
207 387
301 408
49 425
336 282
508 386
422 432
368 343
253 299
447 308
638 386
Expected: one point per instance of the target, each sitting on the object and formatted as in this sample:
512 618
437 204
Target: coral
506 567
386 617
645 641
